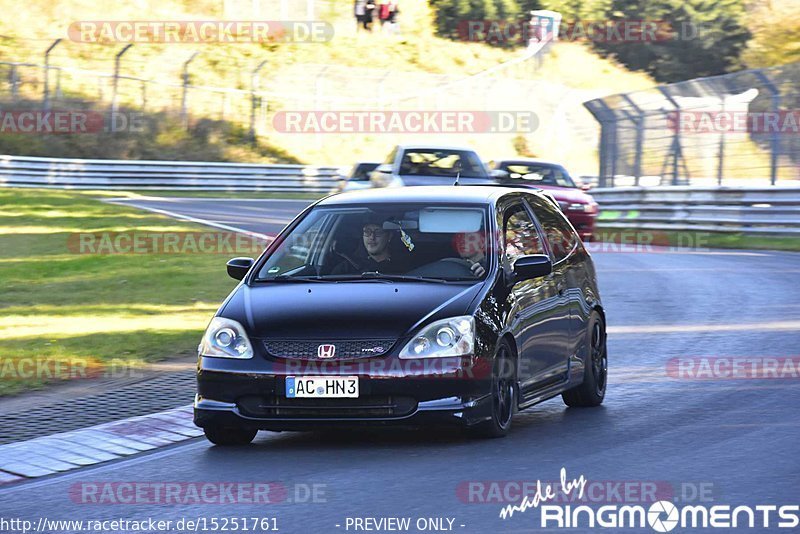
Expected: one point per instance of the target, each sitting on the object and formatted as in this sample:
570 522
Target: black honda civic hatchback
405 306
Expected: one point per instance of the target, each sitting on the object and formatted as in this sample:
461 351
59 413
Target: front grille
344 350
370 406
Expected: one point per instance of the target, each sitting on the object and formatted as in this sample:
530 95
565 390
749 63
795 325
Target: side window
298 250
561 178
520 236
559 233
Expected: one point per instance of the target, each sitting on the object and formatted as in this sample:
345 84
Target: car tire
595 371
229 436
504 396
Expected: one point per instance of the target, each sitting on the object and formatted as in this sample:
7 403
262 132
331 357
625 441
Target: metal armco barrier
754 210
23 171
764 210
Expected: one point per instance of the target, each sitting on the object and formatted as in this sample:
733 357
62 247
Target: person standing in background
360 10
370 7
383 12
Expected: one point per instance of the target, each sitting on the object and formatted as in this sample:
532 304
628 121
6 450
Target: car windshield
538 173
361 171
391 242
447 163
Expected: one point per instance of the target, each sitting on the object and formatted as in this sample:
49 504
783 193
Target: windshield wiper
289 278
402 277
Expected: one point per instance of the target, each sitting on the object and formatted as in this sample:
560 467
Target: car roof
435 194
424 146
527 160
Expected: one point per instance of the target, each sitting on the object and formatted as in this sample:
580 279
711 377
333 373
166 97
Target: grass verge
64 314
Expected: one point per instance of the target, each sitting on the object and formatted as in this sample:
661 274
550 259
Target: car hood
344 310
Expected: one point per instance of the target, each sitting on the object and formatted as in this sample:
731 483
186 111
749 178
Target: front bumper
257 400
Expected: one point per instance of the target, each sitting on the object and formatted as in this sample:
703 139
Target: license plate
322 387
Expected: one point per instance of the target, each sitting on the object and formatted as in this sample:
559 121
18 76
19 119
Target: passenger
471 247
374 256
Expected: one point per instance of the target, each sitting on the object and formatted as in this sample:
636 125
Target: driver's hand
477 269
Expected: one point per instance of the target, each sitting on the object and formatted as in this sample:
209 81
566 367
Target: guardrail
752 210
24 171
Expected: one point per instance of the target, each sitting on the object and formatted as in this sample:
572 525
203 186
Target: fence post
774 138
184 103
638 120
253 104
115 83
675 148
46 99
13 81
605 116
721 149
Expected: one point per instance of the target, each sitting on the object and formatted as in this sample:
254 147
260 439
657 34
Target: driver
375 255
471 247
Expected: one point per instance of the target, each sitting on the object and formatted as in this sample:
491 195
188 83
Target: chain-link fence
721 130
259 90
248 86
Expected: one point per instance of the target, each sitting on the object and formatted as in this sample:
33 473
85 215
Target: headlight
225 338
576 206
448 337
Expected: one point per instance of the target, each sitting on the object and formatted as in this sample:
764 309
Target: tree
451 16
707 37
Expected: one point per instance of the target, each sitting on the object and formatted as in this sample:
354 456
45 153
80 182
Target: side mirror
586 187
238 267
499 174
532 266
381 176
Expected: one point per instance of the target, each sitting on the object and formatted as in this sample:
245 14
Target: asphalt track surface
736 441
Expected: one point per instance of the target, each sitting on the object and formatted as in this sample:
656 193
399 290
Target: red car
579 207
